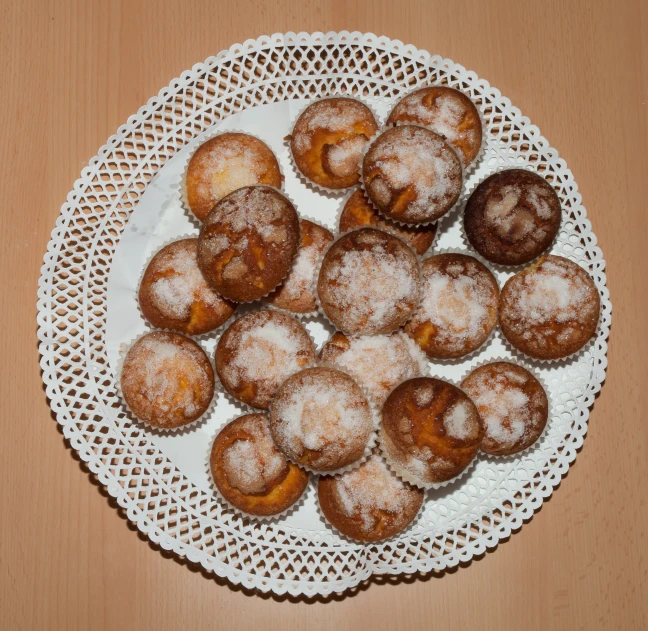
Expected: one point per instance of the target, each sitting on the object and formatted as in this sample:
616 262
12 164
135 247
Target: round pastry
167 380
549 310
430 431
369 503
448 112
174 294
250 472
328 140
248 242
296 291
258 351
224 163
512 217
412 175
321 419
512 406
369 282
378 362
458 308
358 212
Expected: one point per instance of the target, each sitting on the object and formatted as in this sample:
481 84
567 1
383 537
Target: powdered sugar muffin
551 309
411 174
167 380
378 362
369 503
248 243
358 212
328 140
296 291
320 418
224 163
174 294
512 405
448 112
369 282
250 472
458 309
258 351
430 431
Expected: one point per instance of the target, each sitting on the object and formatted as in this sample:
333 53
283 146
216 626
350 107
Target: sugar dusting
457 421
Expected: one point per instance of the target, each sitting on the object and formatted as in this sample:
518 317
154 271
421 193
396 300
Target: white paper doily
126 204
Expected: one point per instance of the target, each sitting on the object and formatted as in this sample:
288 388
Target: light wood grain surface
73 71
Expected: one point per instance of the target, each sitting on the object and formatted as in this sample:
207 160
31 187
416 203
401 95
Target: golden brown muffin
412 175
174 294
248 242
250 472
430 431
328 140
512 217
512 406
296 291
458 308
551 309
369 282
258 351
377 362
224 163
359 212
448 112
369 503
167 380
320 418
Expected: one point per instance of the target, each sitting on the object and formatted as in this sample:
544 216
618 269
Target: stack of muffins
361 413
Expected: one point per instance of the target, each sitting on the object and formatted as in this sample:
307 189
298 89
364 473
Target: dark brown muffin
369 503
258 351
430 431
512 217
167 380
551 309
250 472
458 307
359 212
328 140
512 406
369 282
248 242
448 112
174 294
412 175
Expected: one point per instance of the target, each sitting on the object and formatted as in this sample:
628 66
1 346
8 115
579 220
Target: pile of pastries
361 414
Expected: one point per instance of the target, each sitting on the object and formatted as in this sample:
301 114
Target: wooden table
73 71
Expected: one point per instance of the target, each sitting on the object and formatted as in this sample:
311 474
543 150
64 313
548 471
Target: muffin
248 242
549 310
412 175
512 217
167 380
430 431
448 112
358 212
369 503
328 139
174 294
250 472
320 419
258 351
377 362
368 282
458 308
224 163
295 293
512 406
